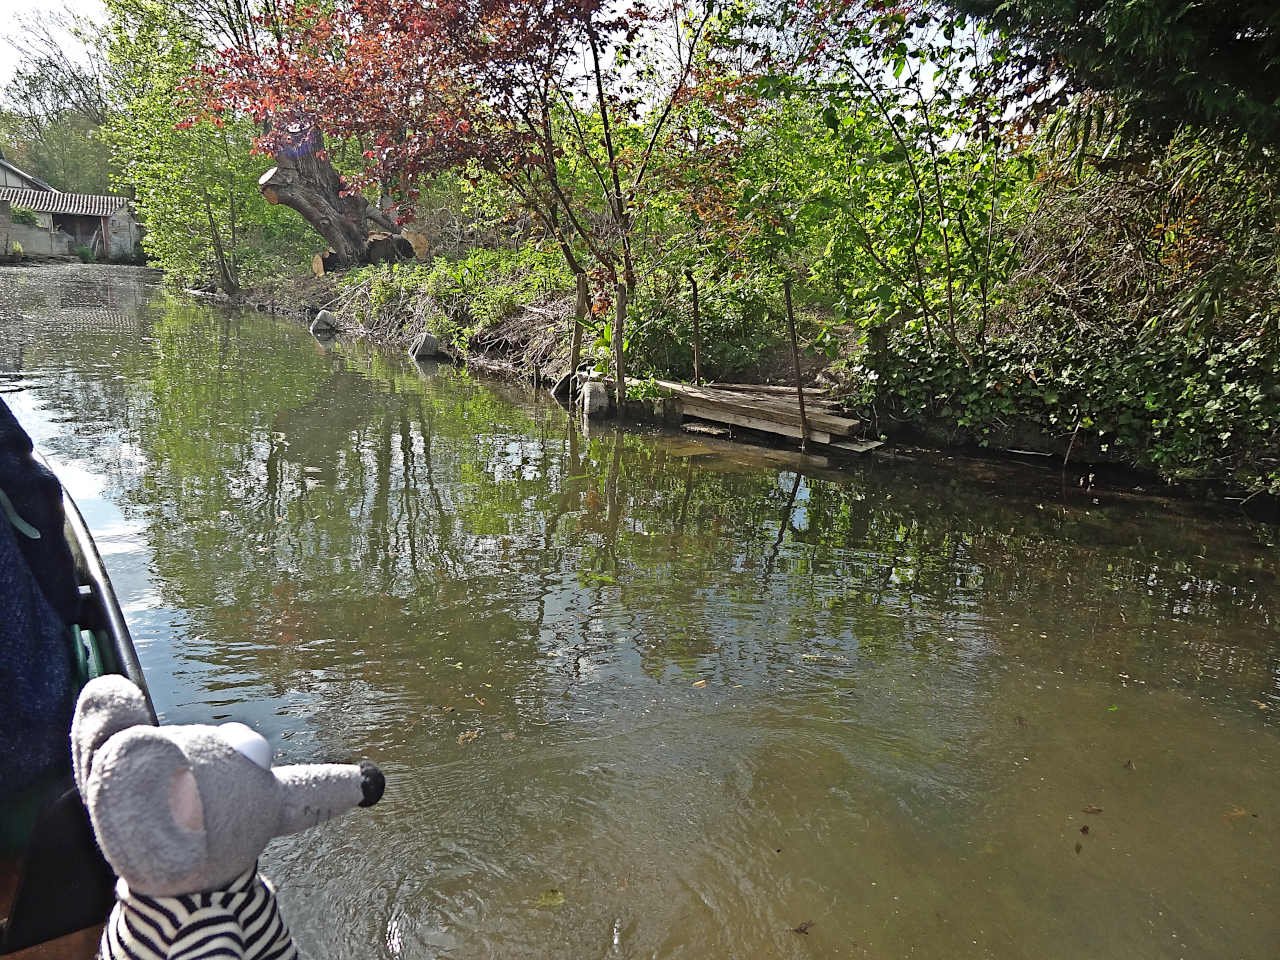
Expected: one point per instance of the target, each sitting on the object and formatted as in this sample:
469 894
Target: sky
14 12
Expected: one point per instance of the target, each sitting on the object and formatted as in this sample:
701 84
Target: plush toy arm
314 792
213 933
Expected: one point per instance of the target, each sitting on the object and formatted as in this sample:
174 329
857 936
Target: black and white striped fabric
239 922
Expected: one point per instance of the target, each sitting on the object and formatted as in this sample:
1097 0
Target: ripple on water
642 696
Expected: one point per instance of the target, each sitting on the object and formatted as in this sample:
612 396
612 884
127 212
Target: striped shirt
240 922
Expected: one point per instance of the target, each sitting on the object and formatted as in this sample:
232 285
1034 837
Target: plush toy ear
106 706
146 809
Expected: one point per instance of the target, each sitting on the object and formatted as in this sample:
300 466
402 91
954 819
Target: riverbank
1038 403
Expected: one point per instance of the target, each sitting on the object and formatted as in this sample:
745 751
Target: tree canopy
1207 63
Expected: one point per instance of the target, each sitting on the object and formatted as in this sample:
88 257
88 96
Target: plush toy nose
372 783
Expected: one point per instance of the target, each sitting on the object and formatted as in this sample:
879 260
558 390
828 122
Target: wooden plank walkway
771 409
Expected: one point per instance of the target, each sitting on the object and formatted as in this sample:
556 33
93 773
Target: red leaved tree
565 101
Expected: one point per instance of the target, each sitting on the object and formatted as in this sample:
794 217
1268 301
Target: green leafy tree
1212 65
53 108
195 183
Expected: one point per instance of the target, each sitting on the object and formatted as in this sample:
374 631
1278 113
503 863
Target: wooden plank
81 945
810 400
719 414
10 877
857 446
768 388
707 429
768 392
761 409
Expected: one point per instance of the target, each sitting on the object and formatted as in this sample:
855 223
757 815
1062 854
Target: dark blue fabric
38 603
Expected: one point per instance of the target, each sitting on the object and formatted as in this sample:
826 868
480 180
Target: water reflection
914 687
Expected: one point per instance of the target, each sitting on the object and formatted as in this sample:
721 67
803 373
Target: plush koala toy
182 813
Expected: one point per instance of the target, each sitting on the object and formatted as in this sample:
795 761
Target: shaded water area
920 686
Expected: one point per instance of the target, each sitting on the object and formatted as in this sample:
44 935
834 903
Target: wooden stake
575 348
619 325
697 332
795 356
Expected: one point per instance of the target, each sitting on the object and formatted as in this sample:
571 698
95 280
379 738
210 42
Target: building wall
10 179
36 241
45 220
123 234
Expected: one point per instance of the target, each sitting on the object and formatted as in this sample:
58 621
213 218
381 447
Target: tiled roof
79 204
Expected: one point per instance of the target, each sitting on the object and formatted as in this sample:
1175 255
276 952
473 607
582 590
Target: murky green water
916 681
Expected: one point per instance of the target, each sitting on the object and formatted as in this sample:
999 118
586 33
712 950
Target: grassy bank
1188 408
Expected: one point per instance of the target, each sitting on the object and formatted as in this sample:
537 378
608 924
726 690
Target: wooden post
619 325
575 348
795 356
697 332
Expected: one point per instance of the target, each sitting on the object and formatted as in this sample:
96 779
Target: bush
454 299
740 316
85 254
25 216
1182 407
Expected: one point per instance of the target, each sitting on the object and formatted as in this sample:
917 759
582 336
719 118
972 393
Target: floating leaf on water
1085 829
551 897
1128 765
468 736
1113 708
1092 808
803 928
699 683
1260 705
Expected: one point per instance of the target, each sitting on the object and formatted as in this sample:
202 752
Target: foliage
902 166
85 254
454 299
65 149
741 319
1179 406
545 97
195 186
1171 63
1139 325
53 107
24 216
1185 243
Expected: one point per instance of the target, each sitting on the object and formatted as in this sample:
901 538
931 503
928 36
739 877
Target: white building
64 221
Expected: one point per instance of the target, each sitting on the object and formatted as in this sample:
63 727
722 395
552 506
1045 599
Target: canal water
639 696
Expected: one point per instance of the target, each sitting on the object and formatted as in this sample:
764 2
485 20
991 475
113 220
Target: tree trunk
310 185
697 332
575 347
795 358
619 331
